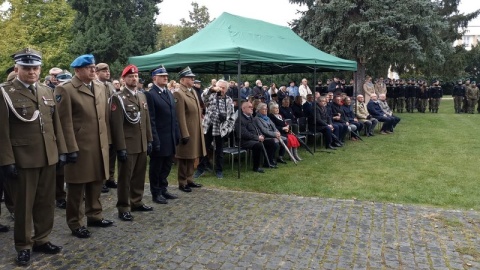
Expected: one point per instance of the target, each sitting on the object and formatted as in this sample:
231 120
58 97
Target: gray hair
261 105
272 106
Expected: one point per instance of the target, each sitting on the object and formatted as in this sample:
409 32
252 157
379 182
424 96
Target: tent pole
314 110
239 109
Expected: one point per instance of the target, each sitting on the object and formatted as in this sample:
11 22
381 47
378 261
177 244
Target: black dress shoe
81 232
185 188
23 257
331 147
111 184
47 248
337 145
259 170
105 189
273 167
100 223
125 216
62 204
371 134
169 196
194 185
159 199
142 208
280 160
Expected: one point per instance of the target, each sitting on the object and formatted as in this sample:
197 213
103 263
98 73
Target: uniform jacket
472 92
368 90
163 120
85 122
190 124
125 135
458 90
435 92
24 143
380 88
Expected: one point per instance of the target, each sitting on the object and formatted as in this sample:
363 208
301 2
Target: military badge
58 98
113 107
176 100
144 105
124 97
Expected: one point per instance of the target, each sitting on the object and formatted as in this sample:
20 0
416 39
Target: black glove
149 148
10 171
72 157
156 148
122 155
185 140
62 160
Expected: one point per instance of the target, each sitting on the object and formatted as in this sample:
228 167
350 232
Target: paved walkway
215 229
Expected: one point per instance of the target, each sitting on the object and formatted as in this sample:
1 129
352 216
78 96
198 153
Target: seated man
286 110
347 108
297 107
308 106
339 118
364 117
376 111
251 138
382 100
266 128
323 123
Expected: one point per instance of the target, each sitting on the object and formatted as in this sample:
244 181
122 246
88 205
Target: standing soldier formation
32 144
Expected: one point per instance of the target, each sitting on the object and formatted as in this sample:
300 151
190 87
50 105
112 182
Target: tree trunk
359 79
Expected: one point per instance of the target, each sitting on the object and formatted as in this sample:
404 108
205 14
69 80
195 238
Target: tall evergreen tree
380 33
114 30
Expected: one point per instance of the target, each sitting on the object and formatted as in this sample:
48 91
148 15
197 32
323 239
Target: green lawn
431 159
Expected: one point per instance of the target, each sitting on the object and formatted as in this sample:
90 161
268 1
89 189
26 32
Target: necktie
32 89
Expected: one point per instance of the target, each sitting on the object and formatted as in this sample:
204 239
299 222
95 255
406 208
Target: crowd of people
74 128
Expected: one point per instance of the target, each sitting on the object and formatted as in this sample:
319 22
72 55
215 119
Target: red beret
130 69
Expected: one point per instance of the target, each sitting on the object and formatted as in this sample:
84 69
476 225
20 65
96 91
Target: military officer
32 144
472 95
103 76
83 107
400 96
435 94
458 95
132 138
166 135
192 143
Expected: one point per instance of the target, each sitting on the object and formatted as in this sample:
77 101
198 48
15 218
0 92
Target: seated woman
284 128
266 127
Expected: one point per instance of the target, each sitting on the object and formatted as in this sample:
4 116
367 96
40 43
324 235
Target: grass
431 159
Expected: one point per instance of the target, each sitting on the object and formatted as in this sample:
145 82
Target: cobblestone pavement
217 229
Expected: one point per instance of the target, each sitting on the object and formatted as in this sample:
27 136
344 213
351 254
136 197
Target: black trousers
209 138
160 168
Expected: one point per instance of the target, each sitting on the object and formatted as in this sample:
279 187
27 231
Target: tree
199 18
383 33
114 30
42 25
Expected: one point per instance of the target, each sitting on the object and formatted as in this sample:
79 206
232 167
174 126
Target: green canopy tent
231 42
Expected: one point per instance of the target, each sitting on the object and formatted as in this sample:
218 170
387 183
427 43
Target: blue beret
83 60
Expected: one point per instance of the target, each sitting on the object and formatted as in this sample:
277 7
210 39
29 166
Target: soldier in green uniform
132 137
32 144
471 94
84 113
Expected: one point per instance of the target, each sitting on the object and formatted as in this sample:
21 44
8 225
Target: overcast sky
274 11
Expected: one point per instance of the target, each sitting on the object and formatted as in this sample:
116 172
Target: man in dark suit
32 144
376 112
165 132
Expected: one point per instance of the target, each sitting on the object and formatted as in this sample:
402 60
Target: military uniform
400 95
458 96
435 94
472 97
31 140
131 131
84 115
190 125
391 96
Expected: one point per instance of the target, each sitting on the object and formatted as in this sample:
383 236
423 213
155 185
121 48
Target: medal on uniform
144 105
124 97
24 111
